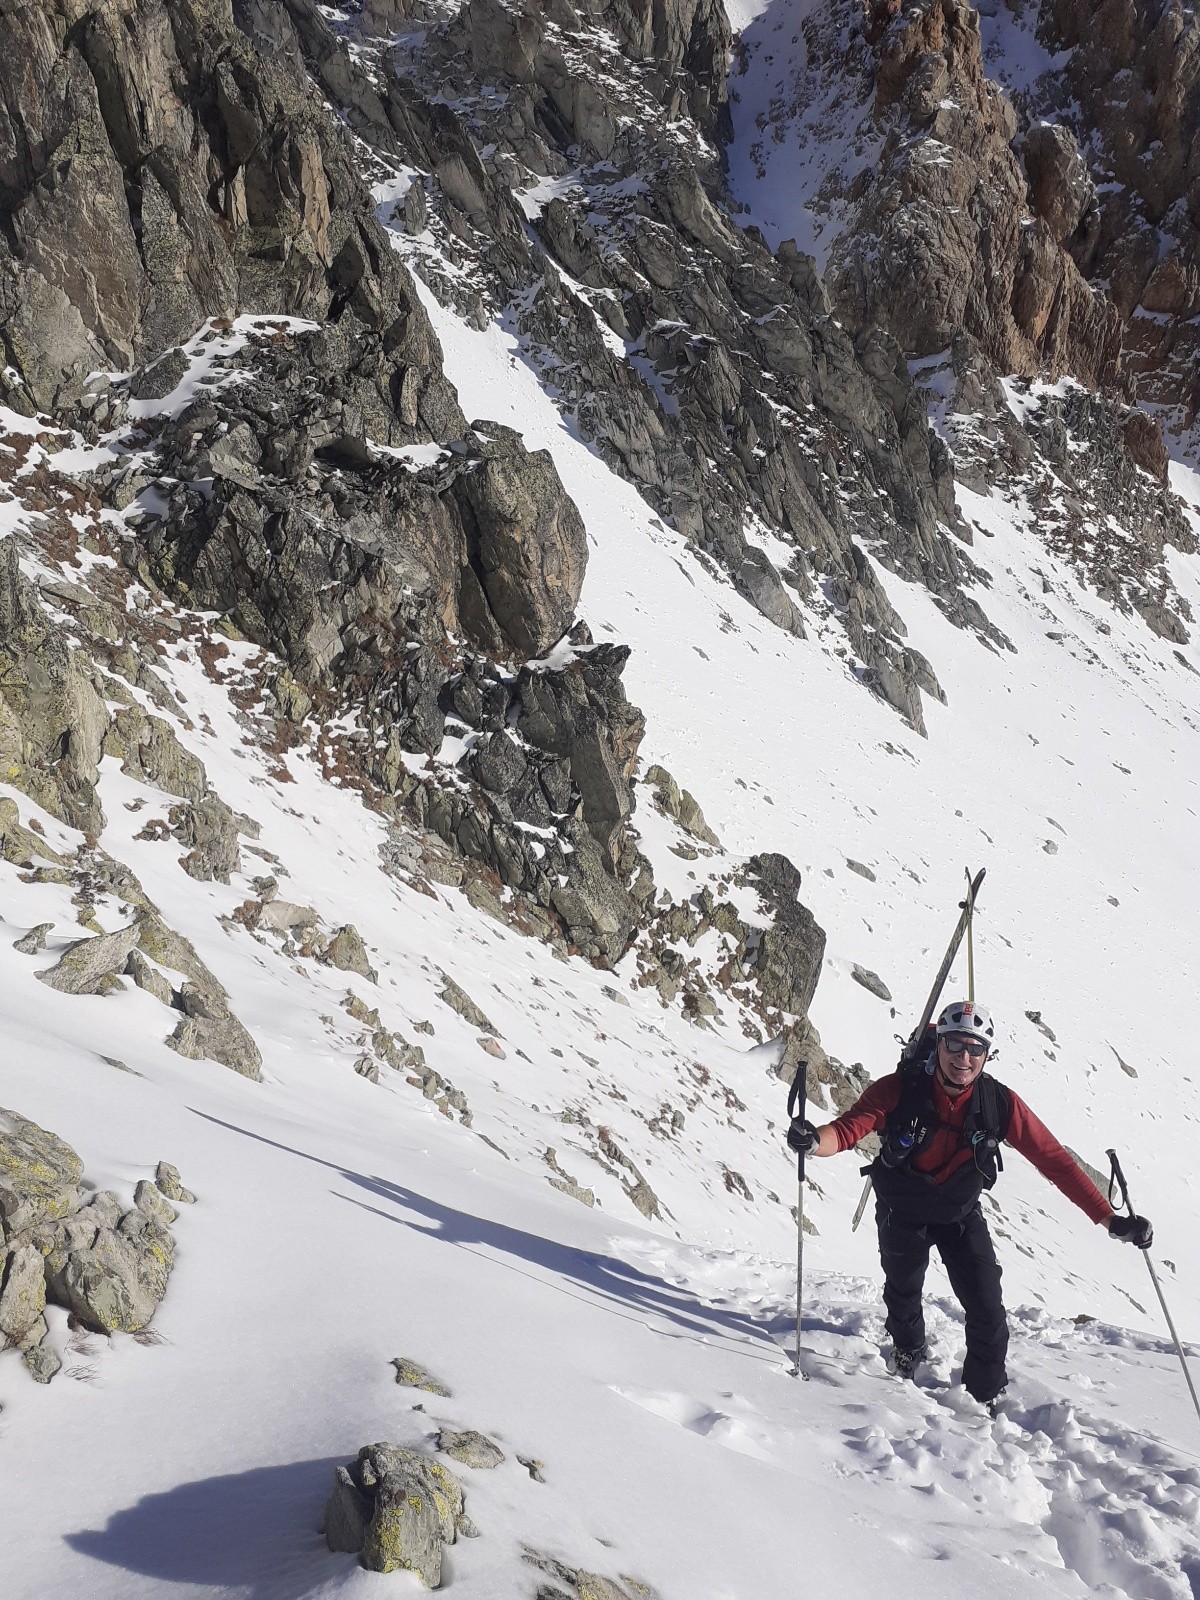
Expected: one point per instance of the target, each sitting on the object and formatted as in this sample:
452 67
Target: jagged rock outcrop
1093 470
1105 511
52 720
61 1245
941 237
735 391
1125 81
338 555
792 947
581 716
181 146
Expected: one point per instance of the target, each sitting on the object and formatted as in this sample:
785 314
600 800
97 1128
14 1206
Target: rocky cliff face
942 238
216 219
305 474
704 369
1124 110
980 181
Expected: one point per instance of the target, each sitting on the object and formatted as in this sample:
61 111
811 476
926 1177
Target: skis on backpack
916 1038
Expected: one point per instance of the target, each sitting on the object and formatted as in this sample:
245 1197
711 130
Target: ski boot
904 1363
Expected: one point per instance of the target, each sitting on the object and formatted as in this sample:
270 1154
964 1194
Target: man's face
960 1060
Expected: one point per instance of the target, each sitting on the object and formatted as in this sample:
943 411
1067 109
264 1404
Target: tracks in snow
1059 1480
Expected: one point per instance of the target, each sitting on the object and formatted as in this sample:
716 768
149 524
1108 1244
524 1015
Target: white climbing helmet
969 1017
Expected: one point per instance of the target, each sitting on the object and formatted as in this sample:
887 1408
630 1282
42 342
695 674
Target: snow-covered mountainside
443 840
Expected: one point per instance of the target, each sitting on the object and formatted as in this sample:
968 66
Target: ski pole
1119 1177
797 1095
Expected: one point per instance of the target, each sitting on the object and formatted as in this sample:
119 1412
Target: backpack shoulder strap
986 1126
993 1106
914 1087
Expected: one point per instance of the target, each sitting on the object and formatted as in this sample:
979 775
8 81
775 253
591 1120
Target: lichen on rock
396 1508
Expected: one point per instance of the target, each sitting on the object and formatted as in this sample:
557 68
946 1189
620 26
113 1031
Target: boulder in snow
89 966
470 1448
871 981
38 1175
348 953
168 1182
459 1000
23 1295
411 1375
395 1509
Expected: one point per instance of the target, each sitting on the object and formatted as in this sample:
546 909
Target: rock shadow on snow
256 1532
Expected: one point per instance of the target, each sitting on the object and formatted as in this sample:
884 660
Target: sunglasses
957 1045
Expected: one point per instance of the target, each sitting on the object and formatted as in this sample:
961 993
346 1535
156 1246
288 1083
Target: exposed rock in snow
681 805
471 1449
411 1375
792 948
23 1295
347 952
871 981
167 1178
39 1175
52 720
33 942
395 1509
90 966
569 1583
107 1265
459 1000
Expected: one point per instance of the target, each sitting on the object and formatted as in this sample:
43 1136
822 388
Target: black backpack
913 1123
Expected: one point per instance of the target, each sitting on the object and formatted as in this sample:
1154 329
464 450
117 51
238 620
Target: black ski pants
970 1260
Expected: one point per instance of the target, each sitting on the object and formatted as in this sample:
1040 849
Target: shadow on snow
606 1281
255 1532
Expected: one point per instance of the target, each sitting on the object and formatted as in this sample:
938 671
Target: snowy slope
340 1222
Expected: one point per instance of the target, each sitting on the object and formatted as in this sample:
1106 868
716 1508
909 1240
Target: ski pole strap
1116 1176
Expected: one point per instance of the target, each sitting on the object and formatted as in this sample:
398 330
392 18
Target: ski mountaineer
942 1119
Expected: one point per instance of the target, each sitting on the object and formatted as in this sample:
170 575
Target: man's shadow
259 1531
604 1281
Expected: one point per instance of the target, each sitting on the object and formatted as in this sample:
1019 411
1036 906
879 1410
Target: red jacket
943 1155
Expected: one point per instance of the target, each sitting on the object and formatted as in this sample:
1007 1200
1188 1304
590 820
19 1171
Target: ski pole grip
798 1089
797 1095
1120 1178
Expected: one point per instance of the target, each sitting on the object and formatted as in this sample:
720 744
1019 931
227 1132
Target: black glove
1132 1230
802 1137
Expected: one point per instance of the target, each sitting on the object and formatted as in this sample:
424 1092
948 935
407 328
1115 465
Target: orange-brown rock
943 237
